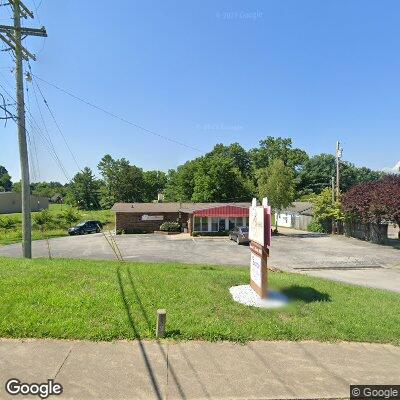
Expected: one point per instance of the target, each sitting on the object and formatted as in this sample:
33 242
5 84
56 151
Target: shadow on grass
153 379
305 294
152 327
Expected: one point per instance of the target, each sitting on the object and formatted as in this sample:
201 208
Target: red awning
222 211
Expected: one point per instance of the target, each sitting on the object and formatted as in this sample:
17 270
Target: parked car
85 227
240 234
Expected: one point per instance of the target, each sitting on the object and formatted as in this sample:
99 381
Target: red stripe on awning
222 211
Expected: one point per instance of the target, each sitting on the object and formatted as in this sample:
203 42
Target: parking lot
338 258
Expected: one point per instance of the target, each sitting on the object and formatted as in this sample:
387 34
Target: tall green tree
154 183
273 148
317 173
5 180
235 152
123 182
277 183
84 190
181 182
218 179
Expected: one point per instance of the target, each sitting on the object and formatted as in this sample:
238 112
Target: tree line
227 173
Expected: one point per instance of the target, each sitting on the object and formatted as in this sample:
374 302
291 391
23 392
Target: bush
222 233
70 216
44 220
8 223
315 226
170 227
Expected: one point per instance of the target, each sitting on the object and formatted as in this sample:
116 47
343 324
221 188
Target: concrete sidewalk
198 370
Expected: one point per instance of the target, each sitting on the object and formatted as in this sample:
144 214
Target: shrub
221 233
44 220
70 216
315 226
170 227
8 223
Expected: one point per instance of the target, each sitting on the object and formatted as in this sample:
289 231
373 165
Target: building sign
259 222
260 239
255 269
146 217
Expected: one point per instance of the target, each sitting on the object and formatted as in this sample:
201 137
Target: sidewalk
198 370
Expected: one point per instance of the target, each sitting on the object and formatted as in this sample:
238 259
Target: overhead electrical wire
32 156
46 140
55 121
111 114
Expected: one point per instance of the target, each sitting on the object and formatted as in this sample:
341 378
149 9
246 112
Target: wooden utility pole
339 152
13 36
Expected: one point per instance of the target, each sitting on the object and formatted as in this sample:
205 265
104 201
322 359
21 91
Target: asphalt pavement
332 257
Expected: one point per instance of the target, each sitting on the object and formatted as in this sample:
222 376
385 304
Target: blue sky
207 72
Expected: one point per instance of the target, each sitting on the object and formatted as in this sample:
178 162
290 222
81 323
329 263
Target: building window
214 224
232 223
197 224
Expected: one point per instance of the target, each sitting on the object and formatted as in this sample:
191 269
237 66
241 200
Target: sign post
260 240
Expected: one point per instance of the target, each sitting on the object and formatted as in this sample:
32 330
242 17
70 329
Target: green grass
106 300
14 236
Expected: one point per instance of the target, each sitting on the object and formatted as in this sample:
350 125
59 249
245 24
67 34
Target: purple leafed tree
374 202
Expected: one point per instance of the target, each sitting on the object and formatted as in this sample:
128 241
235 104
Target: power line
111 114
48 143
55 121
34 162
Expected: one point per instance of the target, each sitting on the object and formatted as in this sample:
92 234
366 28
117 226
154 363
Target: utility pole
333 202
13 36
339 153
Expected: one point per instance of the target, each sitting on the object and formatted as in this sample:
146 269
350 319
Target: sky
207 72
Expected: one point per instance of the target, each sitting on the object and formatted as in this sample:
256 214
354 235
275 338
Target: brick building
200 217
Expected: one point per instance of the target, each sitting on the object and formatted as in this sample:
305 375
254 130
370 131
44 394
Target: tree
5 180
374 202
218 180
317 173
122 182
83 191
224 174
48 189
278 185
181 182
325 211
235 152
154 183
278 148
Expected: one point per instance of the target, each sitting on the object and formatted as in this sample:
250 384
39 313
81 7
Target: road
332 257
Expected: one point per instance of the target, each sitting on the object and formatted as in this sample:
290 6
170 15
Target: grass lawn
14 236
106 300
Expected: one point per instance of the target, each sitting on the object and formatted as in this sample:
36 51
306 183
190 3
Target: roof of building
300 207
170 207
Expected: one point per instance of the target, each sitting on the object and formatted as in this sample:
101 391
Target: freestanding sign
260 240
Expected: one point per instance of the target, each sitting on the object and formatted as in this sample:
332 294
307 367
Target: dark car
85 227
240 234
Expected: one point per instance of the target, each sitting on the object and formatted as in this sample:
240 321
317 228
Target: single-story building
57 199
199 217
297 216
11 202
